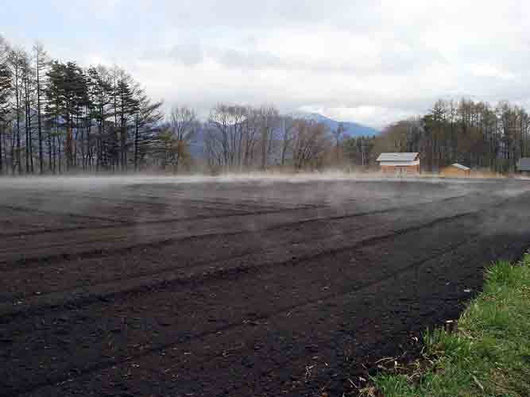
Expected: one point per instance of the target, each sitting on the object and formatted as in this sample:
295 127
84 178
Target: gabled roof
523 164
460 166
405 156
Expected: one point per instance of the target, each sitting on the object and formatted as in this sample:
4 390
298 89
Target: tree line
58 117
473 133
244 137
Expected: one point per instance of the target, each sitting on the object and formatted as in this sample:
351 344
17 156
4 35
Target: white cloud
489 70
370 61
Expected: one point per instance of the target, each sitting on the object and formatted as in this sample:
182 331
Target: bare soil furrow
58 213
27 258
84 298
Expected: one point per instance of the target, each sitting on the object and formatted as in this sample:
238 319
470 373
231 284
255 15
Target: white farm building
400 163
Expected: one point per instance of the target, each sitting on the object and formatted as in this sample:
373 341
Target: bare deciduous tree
310 143
183 125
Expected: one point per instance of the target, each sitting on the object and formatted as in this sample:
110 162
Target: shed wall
456 172
400 169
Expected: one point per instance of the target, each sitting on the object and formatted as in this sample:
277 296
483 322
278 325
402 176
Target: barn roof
405 156
523 164
460 166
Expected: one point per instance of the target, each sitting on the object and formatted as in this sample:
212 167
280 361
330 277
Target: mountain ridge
351 128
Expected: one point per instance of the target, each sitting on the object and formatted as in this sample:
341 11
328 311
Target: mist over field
238 198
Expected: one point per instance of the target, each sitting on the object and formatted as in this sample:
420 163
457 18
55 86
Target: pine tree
40 66
67 94
125 108
147 115
100 93
5 94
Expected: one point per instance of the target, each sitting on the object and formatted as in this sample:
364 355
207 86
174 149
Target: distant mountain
352 129
196 146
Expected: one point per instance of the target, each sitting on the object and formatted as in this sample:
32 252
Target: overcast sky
372 62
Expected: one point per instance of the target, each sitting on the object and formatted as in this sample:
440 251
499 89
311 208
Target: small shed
399 163
456 170
523 165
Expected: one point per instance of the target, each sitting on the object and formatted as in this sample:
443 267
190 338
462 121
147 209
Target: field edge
485 353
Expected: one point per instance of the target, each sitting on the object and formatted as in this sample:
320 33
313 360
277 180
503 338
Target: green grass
487 355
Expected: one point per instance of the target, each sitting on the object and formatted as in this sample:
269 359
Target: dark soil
261 288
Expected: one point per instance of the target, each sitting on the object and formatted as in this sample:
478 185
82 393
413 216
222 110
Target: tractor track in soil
43 262
66 256
145 287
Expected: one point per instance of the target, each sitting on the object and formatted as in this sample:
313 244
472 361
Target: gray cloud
249 59
188 54
376 58
270 13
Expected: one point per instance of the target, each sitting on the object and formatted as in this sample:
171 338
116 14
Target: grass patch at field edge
487 354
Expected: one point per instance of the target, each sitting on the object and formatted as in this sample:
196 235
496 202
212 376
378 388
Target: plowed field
212 287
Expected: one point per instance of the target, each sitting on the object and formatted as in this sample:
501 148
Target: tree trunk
136 142
39 119
59 154
17 100
1 155
50 168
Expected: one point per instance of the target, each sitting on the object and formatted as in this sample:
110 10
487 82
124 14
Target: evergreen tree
40 70
67 96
